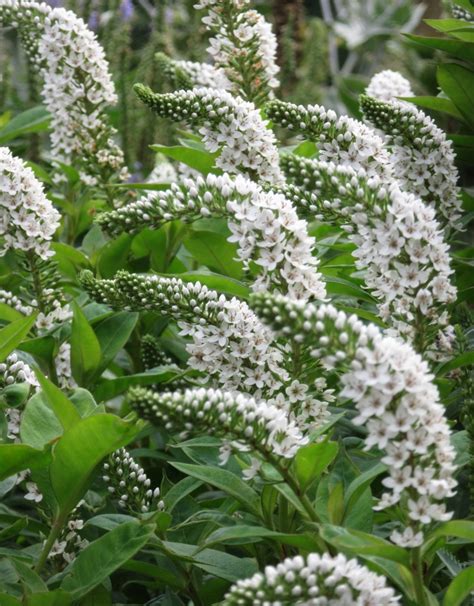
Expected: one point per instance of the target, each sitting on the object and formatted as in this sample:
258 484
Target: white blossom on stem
340 139
395 398
28 220
422 157
76 84
263 224
400 245
243 46
228 124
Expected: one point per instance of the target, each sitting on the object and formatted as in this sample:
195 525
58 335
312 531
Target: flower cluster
399 244
388 85
422 157
243 46
28 219
228 342
229 125
77 87
396 401
264 225
341 140
187 74
313 581
250 425
128 483
70 542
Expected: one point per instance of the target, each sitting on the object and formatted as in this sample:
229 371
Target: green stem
36 276
417 568
53 535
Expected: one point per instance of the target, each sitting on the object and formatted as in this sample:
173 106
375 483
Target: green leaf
85 348
49 598
225 481
464 359
240 534
460 588
113 333
39 424
110 388
179 491
199 160
215 562
32 581
359 485
81 449
9 314
32 120
439 104
312 460
461 529
215 252
64 410
458 83
362 543
457 48
113 256
17 457
105 555
13 334
8 600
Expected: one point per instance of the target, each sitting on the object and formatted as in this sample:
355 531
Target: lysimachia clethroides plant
320 412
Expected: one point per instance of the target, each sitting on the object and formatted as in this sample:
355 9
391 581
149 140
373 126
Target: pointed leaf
13 334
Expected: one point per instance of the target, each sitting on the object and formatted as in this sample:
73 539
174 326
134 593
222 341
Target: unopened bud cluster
396 400
13 370
129 485
314 580
251 425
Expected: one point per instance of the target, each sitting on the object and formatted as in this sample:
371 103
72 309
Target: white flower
388 85
77 87
28 220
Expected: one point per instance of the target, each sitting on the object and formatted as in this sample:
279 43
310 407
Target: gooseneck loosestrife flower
422 157
228 124
248 424
76 85
243 46
399 244
264 225
342 140
395 398
313 580
387 85
28 220
229 344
